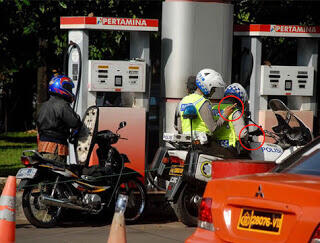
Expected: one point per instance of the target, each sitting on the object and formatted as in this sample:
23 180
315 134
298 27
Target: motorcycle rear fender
157 164
190 166
42 174
24 183
174 188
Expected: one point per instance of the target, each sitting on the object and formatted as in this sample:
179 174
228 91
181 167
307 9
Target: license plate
260 221
176 170
28 173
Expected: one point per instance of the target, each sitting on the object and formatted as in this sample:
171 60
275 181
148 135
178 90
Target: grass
11 146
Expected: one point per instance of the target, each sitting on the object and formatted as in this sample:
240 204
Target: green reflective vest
198 124
225 135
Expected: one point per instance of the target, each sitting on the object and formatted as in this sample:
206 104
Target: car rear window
309 164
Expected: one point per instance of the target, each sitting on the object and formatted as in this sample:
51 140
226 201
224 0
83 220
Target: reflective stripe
8 201
7 215
199 100
223 143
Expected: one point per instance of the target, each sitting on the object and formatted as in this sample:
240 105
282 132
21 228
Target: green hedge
11 146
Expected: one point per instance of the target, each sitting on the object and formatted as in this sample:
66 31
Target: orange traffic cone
118 227
8 211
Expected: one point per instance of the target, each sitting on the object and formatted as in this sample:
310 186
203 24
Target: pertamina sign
109 23
277 30
121 21
294 29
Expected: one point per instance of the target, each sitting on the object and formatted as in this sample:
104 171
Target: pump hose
65 67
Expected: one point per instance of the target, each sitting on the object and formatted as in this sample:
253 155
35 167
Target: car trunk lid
262 208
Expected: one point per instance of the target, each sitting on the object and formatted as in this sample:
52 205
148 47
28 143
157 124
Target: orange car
282 206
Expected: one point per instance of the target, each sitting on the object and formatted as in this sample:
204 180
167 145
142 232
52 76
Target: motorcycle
289 135
50 188
186 170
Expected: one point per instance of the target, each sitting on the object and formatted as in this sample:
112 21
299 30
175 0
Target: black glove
257 132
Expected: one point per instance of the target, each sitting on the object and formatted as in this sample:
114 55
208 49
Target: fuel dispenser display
287 80
117 76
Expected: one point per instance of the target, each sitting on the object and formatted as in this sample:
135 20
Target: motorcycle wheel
187 206
38 214
137 198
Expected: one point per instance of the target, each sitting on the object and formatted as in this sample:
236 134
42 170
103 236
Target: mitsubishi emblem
259 193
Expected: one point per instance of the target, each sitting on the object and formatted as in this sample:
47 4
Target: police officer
55 118
228 134
207 81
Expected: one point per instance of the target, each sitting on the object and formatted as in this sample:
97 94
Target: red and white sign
109 23
277 30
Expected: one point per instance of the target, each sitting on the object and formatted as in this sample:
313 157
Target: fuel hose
65 67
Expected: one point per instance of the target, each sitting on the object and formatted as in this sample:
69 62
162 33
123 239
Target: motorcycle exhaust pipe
60 203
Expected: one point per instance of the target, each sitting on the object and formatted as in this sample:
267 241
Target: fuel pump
119 88
295 83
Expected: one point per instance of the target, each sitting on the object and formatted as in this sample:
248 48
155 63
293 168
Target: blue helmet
62 86
238 91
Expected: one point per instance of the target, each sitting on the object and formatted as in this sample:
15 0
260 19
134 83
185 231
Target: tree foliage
278 51
32 44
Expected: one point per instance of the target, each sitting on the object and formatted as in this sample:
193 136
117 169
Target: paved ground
170 232
159 225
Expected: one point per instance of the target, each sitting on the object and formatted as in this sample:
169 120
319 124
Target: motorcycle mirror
122 125
190 112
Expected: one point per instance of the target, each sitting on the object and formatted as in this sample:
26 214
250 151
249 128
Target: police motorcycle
170 164
187 171
51 188
289 134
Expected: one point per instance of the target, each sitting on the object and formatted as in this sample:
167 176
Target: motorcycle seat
36 156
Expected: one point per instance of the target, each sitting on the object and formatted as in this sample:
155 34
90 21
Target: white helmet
208 79
238 91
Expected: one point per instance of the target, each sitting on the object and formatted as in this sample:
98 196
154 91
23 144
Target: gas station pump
119 88
296 83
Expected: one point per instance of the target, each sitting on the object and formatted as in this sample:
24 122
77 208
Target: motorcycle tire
137 199
185 208
41 216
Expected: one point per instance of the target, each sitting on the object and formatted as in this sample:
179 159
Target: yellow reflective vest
225 135
198 124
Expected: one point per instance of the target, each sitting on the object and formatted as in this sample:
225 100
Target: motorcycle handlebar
256 132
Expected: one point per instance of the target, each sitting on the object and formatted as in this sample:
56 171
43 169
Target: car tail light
316 235
25 160
176 160
205 215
